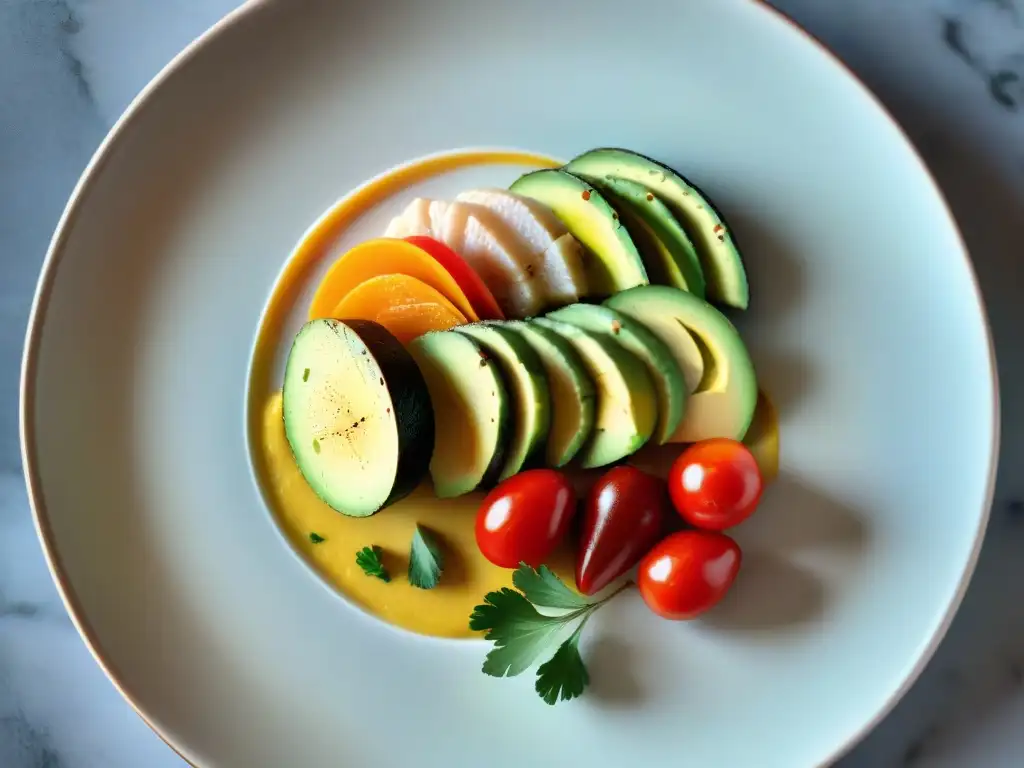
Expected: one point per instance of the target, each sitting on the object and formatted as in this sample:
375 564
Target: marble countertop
951 71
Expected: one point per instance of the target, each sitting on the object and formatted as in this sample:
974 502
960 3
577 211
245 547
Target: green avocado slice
527 382
573 394
611 262
719 254
655 354
672 259
627 408
723 405
472 413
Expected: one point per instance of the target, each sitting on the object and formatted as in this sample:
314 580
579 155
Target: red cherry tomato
478 294
525 517
688 572
715 484
622 519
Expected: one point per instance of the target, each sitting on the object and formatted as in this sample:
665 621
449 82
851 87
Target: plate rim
98 161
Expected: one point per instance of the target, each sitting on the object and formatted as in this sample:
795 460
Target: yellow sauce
443 611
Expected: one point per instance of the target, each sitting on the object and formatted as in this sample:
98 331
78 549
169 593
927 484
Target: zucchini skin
414 414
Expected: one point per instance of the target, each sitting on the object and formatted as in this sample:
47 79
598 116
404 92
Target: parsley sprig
564 674
369 559
522 635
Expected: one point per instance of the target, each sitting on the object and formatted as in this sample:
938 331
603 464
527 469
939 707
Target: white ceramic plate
866 326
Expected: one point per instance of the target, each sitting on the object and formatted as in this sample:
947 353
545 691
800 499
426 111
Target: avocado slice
673 257
612 262
719 254
627 408
527 382
724 403
658 259
573 395
357 415
472 412
655 354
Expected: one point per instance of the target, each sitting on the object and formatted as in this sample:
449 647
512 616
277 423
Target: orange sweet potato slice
386 256
404 305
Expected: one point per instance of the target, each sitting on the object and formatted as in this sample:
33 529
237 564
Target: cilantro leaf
542 587
520 634
426 560
369 559
564 675
316 538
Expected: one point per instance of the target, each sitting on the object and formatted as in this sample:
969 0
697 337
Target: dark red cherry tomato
715 484
688 572
622 519
525 517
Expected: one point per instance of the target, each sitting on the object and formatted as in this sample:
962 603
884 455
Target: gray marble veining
951 71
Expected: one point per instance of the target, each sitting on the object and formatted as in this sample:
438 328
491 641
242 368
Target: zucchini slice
357 415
